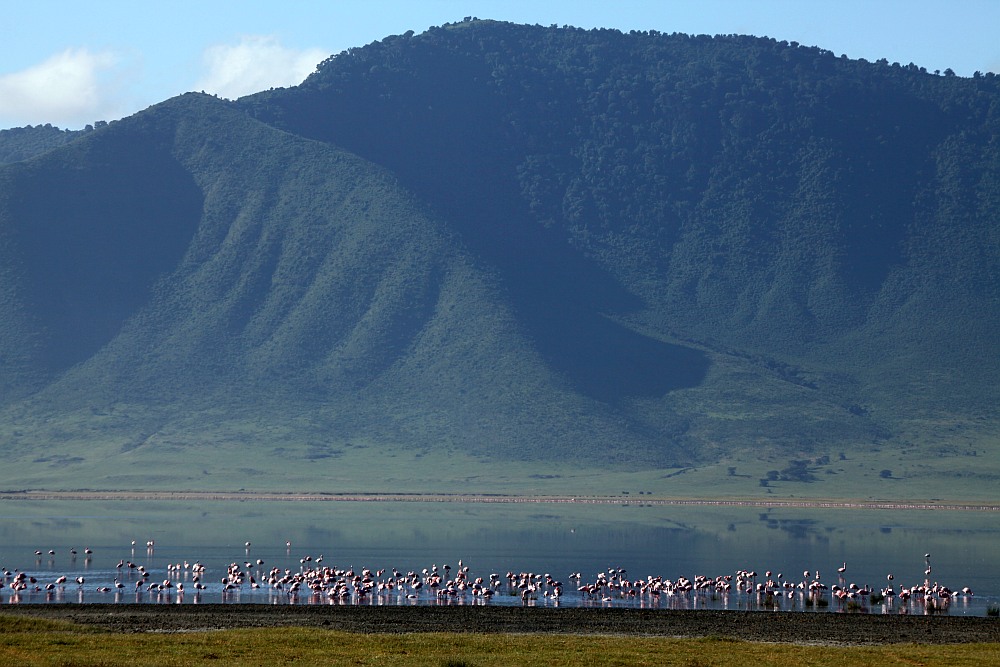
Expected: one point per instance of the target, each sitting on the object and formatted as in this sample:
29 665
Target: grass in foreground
29 642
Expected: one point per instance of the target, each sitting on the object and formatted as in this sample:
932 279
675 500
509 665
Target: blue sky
71 63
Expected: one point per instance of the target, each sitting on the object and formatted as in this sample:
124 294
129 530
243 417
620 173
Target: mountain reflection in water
386 553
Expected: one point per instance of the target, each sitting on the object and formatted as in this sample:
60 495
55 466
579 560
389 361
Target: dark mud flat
747 625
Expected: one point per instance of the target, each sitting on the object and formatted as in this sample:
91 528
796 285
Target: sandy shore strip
201 496
783 627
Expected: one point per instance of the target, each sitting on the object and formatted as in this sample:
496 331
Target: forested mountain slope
512 245
751 193
21 143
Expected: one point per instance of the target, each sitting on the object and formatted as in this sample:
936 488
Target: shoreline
268 496
758 626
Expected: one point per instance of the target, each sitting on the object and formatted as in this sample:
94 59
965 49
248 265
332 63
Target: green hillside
512 258
22 143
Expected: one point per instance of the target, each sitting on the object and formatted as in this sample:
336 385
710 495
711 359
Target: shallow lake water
617 548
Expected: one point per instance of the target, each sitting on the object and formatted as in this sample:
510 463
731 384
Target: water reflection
371 553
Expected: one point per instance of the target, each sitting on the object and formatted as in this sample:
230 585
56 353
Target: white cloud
256 63
69 89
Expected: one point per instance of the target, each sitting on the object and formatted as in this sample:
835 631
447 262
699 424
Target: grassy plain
917 474
37 642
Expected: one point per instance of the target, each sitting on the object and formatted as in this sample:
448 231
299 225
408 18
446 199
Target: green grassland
220 460
33 642
939 460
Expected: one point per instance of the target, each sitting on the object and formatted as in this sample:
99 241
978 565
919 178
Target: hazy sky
70 63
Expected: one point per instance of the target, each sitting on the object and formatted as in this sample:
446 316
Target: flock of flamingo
316 583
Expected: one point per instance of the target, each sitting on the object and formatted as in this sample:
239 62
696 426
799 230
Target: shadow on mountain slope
95 240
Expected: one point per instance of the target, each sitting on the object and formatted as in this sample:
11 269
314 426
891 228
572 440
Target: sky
71 63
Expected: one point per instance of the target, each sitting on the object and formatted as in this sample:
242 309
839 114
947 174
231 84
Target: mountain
507 257
21 143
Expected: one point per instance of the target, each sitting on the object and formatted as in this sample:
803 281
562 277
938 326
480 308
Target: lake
613 543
